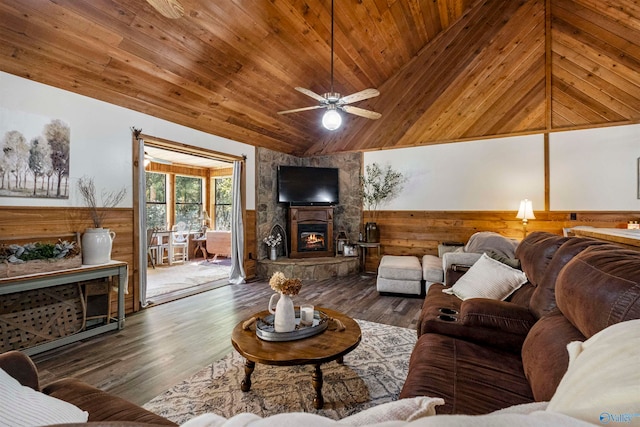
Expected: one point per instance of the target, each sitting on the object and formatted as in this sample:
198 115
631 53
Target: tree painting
34 156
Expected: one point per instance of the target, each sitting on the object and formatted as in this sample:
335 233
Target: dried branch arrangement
110 199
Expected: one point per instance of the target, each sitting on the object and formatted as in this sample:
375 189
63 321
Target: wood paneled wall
47 221
419 232
250 244
39 221
401 232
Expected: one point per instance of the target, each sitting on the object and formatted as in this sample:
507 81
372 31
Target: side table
363 253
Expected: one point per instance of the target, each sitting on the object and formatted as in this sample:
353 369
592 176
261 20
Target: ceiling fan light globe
331 120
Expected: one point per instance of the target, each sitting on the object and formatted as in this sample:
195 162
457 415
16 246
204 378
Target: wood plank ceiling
447 70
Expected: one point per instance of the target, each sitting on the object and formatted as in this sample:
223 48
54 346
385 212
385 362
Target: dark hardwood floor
167 343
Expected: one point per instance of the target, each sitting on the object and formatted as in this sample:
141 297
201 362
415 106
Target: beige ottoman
399 275
432 271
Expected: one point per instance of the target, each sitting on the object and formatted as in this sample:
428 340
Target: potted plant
379 185
97 241
38 257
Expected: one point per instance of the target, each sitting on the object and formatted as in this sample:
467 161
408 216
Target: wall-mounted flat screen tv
300 185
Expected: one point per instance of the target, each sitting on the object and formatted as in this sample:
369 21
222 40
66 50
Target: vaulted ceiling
447 70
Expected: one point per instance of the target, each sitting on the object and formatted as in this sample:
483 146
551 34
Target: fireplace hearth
310 231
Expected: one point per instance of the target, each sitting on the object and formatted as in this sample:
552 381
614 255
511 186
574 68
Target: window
189 201
223 204
156 196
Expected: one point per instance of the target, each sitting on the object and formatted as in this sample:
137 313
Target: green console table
62 277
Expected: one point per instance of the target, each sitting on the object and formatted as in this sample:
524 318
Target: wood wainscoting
18 222
250 244
23 221
419 232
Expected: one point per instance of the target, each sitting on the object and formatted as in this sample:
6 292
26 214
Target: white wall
101 138
492 174
590 170
595 169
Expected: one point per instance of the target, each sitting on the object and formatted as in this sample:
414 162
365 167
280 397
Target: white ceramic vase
284 319
274 254
96 245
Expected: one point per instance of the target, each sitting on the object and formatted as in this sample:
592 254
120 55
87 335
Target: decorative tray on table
265 329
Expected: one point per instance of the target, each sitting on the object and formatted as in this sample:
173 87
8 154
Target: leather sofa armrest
100 405
502 315
21 367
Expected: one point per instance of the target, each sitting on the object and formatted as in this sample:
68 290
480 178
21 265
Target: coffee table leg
249 366
316 379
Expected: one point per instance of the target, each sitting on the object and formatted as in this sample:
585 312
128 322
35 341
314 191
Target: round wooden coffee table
327 346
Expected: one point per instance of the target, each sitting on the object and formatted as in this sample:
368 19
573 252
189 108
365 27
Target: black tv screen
299 185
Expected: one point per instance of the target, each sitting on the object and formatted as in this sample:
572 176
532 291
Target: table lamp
525 213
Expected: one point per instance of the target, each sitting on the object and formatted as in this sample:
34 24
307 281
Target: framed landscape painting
34 156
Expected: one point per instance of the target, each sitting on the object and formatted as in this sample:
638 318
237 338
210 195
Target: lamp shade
331 119
526 210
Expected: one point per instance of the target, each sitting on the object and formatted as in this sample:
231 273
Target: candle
306 315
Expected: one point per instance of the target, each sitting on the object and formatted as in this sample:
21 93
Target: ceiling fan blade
361 112
171 9
296 110
359 96
312 94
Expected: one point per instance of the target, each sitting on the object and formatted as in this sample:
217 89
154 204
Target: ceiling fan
333 101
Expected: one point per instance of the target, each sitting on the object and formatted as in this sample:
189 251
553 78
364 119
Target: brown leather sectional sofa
488 355
482 355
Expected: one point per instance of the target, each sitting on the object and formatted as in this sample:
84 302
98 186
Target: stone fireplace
347 215
310 231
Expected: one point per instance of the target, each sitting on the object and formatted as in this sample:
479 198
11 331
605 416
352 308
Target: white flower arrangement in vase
273 241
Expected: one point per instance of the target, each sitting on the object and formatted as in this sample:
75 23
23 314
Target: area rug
165 279
372 374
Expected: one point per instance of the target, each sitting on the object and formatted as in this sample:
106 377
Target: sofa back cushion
536 251
599 287
543 299
544 354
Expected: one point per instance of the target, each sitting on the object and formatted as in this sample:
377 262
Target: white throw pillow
602 382
487 278
400 410
23 406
